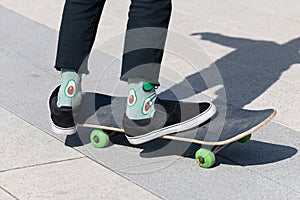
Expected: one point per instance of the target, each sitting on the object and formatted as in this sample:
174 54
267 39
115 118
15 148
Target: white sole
193 122
63 131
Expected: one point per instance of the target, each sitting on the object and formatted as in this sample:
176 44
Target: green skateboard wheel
245 139
99 138
205 158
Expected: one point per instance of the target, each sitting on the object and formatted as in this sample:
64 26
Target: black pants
144 41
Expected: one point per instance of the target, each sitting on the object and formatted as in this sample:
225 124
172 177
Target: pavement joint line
22 15
287 126
262 175
123 176
42 164
35 65
275 181
20 117
8 192
80 152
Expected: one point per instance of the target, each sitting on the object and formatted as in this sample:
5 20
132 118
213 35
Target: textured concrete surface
74 179
249 44
5 195
35 165
23 145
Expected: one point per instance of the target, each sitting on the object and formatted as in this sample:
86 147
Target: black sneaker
62 120
169 117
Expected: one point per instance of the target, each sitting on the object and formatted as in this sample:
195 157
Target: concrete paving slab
76 179
32 89
49 14
116 9
110 28
5 195
215 11
189 26
265 24
122 156
276 97
289 8
271 153
23 145
42 11
218 183
291 75
152 166
40 47
259 68
219 45
30 40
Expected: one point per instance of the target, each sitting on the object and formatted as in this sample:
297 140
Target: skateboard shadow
256 153
252 153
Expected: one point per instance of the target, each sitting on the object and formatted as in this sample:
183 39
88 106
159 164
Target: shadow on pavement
246 72
251 153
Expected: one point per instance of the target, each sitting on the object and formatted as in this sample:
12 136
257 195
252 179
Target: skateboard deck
230 124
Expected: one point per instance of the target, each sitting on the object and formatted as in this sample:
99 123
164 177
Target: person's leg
76 37
77 33
146 33
147 117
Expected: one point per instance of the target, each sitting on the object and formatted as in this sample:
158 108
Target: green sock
140 101
70 89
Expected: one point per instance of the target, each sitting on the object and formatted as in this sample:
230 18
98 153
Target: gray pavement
252 44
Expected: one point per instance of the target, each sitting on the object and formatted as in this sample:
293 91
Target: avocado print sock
140 100
69 94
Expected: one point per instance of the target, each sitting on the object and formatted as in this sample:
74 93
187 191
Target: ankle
140 101
69 94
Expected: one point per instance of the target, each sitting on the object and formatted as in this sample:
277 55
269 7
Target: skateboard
104 113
